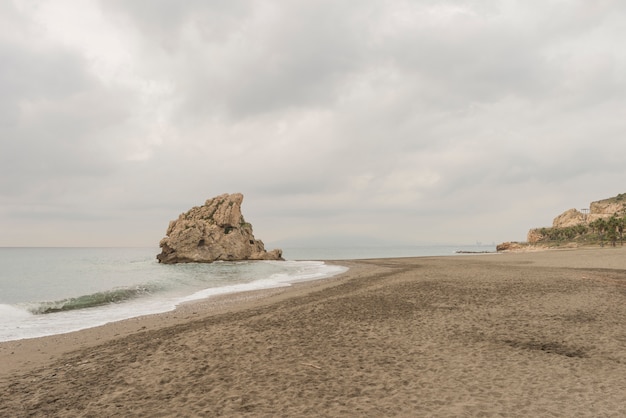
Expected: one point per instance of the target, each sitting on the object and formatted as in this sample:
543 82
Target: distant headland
214 231
601 224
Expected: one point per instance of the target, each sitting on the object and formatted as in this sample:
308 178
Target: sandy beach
528 334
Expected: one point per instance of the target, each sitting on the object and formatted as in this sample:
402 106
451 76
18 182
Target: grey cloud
298 63
55 119
569 21
39 74
249 63
382 116
305 56
36 75
163 21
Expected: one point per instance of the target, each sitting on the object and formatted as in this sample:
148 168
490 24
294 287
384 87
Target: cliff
214 231
604 220
602 209
572 218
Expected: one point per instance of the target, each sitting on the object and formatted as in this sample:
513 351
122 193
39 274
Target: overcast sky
408 121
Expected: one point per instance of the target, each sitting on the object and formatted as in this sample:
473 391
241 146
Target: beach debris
311 365
214 231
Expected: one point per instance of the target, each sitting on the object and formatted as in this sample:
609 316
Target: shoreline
535 333
127 287
29 353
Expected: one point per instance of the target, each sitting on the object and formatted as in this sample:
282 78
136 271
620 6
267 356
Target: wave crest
90 301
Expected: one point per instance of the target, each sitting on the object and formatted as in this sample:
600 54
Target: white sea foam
9 313
33 326
236 288
182 281
306 271
311 270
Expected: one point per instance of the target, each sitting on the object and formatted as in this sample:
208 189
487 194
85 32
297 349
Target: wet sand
530 334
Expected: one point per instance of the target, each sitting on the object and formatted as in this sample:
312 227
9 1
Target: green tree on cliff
620 223
600 227
612 230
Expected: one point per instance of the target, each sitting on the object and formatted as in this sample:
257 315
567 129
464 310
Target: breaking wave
90 301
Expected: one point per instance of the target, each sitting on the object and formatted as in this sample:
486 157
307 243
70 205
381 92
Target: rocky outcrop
534 235
508 246
608 207
214 231
573 226
571 217
602 209
515 247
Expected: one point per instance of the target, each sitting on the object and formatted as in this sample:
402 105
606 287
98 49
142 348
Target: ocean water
46 291
352 253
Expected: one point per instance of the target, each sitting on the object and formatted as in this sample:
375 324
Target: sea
47 291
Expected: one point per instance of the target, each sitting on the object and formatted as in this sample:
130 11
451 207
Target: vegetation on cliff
599 231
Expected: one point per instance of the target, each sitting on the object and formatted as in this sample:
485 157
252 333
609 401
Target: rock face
534 235
214 231
508 246
571 217
602 209
606 208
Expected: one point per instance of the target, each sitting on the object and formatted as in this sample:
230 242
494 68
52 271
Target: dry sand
534 334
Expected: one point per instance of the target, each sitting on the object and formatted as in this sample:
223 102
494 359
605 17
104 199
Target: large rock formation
214 231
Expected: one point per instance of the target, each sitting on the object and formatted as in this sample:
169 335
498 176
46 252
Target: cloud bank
452 122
